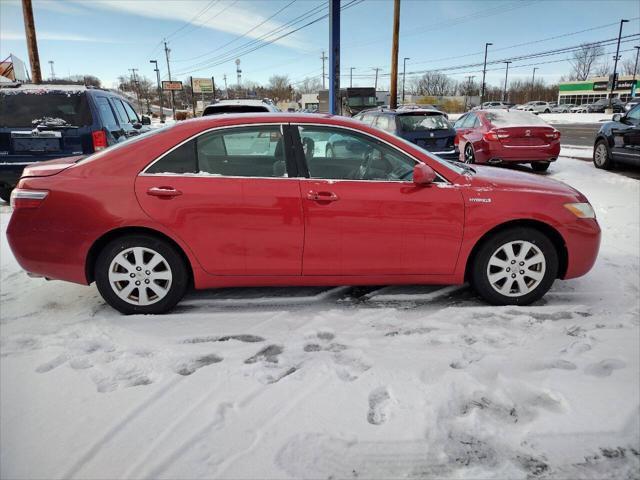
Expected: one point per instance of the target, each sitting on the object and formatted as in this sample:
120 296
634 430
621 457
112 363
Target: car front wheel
601 156
515 267
469 156
5 194
141 274
540 166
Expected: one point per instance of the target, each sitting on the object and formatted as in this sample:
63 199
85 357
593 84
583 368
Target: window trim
287 155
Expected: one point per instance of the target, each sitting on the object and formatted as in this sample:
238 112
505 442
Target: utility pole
404 75
135 86
53 74
160 95
393 98
635 69
173 97
469 84
484 72
615 65
375 85
506 76
533 81
32 41
323 58
351 76
335 106
226 90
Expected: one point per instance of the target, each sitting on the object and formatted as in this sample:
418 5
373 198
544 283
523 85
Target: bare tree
310 85
435 84
627 66
280 87
603 69
584 60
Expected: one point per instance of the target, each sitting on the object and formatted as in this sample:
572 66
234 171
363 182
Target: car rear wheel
540 166
141 274
515 267
5 194
547 111
601 156
469 156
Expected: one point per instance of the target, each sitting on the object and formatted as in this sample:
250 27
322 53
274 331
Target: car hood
514 180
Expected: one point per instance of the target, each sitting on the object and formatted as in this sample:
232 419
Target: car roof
241 101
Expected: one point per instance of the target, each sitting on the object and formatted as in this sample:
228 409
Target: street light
533 81
615 65
351 76
404 75
484 72
155 62
506 75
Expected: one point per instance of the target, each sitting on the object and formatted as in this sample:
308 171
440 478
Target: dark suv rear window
52 108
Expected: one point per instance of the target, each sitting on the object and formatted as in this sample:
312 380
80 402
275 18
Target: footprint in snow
188 367
268 354
604 368
379 405
245 338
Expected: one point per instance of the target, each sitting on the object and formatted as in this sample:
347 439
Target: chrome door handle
163 192
322 196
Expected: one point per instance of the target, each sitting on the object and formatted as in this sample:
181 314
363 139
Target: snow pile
332 383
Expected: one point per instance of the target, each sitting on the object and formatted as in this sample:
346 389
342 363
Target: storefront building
594 89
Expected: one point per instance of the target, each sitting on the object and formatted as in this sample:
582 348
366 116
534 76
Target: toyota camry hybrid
254 200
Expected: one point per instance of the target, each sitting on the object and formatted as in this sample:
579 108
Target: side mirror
617 117
146 120
136 125
423 174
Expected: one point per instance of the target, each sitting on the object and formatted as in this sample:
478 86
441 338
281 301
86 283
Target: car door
372 219
626 137
232 196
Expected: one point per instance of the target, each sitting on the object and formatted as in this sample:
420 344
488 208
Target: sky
106 38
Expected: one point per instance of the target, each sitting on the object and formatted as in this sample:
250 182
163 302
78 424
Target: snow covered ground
332 383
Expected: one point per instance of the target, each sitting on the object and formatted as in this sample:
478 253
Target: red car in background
254 200
507 136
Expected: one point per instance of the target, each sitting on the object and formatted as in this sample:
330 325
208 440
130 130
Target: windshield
423 122
513 118
19 109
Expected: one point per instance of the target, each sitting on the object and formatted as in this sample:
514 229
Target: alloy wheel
468 154
140 276
516 268
601 155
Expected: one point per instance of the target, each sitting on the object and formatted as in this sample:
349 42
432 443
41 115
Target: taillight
99 140
23 198
456 140
494 135
554 135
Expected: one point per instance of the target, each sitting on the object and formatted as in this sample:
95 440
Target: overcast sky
107 37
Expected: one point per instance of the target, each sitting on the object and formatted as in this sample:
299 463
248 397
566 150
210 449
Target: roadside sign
173 85
202 85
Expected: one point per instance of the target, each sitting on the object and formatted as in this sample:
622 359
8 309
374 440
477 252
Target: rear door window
122 113
106 113
131 113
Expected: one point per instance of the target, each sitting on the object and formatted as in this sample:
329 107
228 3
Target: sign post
202 86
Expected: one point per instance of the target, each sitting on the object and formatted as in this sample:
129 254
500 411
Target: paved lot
581 134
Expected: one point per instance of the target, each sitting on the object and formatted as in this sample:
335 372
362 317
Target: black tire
479 269
602 155
540 166
469 154
5 193
547 111
175 263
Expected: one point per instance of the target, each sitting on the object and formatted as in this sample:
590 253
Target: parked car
191 205
630 104
601 105
618 141
428 128
580 108
246 105
491 105
563 108
538 107
43 122
507 136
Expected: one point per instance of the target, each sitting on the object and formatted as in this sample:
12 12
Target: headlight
581 210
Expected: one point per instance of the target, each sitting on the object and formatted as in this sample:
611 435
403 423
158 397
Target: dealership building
594 89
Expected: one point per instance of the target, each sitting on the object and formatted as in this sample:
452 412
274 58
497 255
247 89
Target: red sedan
254 200
509 136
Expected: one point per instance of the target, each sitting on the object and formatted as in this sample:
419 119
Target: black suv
427 128
44 122
601 105
618 140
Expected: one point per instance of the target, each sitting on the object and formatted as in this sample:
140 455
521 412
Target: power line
189 22
204 22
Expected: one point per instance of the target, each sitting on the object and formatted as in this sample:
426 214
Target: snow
561 118
332 383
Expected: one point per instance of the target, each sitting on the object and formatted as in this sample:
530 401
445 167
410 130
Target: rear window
50 108
421 123
234 109
514 118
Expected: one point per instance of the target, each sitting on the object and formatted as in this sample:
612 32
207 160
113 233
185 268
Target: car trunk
51 167
524 136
